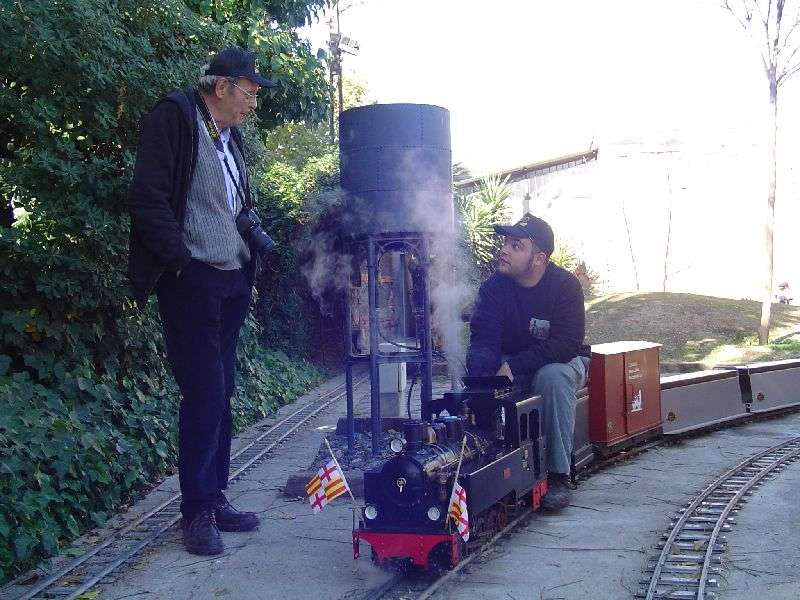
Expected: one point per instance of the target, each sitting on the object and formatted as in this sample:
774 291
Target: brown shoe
230 519
201 535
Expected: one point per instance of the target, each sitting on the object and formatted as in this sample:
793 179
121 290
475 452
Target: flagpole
346 485
455 480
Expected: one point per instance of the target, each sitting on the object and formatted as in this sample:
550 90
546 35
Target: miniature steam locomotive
406 501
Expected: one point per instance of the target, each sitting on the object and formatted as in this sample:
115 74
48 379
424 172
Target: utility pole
336 44
339 58
333 46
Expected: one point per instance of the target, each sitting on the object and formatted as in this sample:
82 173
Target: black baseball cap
235 62
535 229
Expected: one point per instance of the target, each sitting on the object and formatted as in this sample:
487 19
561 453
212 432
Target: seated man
528 324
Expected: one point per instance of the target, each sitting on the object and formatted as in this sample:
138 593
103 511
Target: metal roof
532 169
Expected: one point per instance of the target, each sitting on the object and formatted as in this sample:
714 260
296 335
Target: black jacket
165 162
533 326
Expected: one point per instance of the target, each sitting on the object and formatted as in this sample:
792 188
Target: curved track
79 575
693 547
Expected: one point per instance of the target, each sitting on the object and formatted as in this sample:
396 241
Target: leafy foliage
266 28
479 213
564 257
283 293
250 15
87 407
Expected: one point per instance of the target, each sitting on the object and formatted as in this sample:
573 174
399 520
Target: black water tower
396 169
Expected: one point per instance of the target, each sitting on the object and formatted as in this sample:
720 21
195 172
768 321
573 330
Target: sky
528 80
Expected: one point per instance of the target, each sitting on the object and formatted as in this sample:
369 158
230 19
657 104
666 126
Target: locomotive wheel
482 523
494 517
439 558
502 516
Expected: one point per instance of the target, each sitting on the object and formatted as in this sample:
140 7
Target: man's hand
506 370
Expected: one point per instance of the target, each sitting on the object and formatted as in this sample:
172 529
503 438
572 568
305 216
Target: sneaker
559 492
230 519
201 536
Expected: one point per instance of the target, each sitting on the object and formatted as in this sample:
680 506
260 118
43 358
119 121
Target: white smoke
452 290
429 210
326 267
452 293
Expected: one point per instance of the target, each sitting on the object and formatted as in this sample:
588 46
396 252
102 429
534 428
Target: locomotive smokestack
414 431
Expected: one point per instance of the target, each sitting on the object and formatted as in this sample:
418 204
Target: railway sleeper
692 557
674 595
682 581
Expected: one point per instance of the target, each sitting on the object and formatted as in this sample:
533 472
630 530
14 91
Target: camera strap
213 133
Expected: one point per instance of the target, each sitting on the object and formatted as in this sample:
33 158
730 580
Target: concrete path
594 549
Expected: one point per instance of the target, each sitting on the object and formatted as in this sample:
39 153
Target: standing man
529 325
189 186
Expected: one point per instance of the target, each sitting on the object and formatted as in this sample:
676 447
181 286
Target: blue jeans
557 384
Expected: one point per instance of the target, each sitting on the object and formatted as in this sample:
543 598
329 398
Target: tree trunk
669 233
630 246
766 306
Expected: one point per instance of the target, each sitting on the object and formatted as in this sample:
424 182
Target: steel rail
397 579
428 593
689 512
736 499
317 405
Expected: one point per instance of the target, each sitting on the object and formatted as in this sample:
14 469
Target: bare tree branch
765 19
786 73
747 11
788 60
744 23
792 29
776 40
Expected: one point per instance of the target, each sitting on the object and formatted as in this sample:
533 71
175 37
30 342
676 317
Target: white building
665 215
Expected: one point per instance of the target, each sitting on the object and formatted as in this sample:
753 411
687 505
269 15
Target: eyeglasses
248 95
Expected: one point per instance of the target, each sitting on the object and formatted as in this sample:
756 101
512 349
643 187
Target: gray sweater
210 230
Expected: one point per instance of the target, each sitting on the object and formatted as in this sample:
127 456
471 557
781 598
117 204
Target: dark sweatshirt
535 326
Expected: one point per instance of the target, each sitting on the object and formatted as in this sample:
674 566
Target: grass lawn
693 328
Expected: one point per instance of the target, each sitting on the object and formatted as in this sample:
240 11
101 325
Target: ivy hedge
87 406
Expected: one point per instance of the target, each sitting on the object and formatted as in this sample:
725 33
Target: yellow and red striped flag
458 510
327 485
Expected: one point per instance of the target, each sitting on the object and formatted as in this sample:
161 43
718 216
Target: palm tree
479 212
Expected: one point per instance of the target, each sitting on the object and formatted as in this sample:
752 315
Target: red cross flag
458 510
328 484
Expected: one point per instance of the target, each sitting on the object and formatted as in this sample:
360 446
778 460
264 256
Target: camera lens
247 223
260 241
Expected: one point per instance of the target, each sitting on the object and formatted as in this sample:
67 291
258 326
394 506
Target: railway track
403 587
691 552
80 574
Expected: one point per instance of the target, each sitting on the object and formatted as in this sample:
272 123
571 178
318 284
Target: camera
249 227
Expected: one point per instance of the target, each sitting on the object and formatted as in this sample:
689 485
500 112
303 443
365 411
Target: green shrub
87 407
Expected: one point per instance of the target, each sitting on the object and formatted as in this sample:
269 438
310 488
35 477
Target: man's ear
219 89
